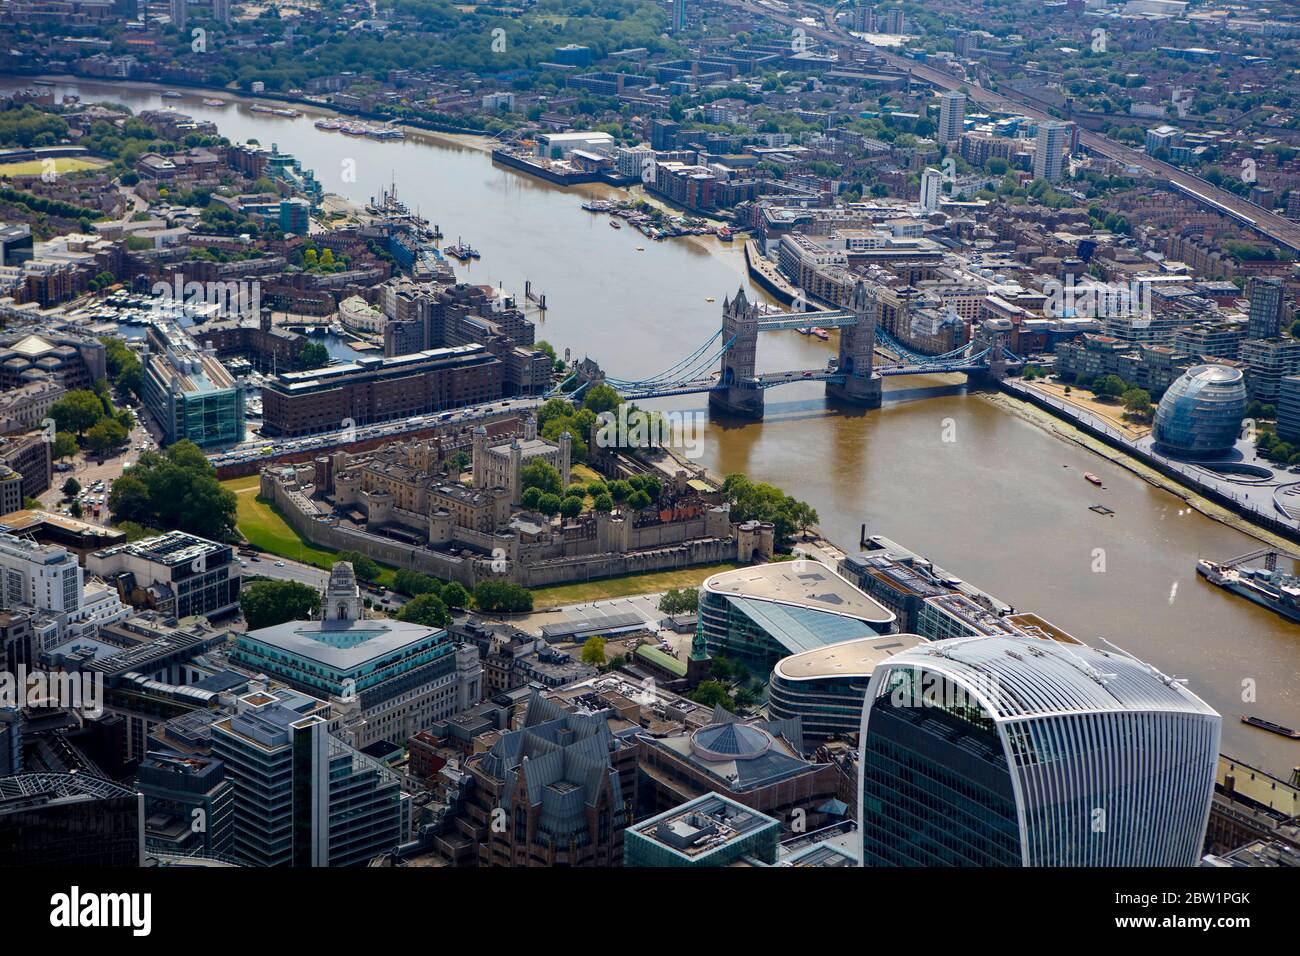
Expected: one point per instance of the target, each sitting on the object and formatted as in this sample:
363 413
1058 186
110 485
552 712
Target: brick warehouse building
377 389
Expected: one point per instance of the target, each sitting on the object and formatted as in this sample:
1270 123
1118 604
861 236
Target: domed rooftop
1200 414
730 742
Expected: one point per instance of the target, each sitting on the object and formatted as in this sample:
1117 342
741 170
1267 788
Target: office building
708 831
176 573
931 191
11 725
558 791
1288 408
295 216
69 819
1049 150
825 687
679 16
374 389
15 245
754 762
178 10
1007 751
190 393
760 614
1200 415
952 116
188 804
301 796
391 679
221 11
1267 316
47 581
1267 362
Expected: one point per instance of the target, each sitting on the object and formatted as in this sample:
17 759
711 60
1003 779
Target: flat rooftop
846 659
702 826
800 583
343 645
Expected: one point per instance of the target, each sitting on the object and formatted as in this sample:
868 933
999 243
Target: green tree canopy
268 603
426 609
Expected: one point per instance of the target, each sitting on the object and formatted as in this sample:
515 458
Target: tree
502 596
549 504
620 491
542 475
268 603
426 609
593 651
638 501
1109 386
570 507
75 509
365 567
455 596
680 601
530 498
77 411
413 583
105 435
65 445
601 398
313 355
177 489
71 488
603 503
710 693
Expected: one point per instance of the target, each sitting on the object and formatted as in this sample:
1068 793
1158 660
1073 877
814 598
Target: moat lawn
261 523
626 586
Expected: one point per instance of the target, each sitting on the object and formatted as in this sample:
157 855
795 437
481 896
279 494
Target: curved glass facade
999 751
1200 414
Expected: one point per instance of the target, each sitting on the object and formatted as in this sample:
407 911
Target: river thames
1003 505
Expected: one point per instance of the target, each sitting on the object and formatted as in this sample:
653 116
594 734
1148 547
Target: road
1269 224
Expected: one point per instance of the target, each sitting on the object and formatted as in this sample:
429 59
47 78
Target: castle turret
478 457
566 458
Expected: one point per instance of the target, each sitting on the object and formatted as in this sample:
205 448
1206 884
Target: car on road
279 564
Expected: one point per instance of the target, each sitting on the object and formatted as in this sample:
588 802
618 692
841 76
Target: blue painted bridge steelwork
735 387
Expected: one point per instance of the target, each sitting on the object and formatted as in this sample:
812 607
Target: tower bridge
854 377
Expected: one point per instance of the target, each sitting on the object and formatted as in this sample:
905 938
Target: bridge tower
738 392
993 334
861 386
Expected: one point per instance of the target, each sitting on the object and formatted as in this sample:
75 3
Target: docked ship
1274 590
328 124
1271 727
462 251
215 102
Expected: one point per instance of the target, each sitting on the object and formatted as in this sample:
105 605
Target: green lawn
35 167
265 528
626 586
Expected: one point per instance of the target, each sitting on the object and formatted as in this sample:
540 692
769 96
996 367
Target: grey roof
564 758
342 644
1016 677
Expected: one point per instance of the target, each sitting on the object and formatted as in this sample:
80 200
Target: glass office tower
1015 751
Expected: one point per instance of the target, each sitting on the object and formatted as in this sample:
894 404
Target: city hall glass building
1016 751
1200 415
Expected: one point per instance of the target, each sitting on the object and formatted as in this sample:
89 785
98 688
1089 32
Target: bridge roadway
767 380
1277 228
